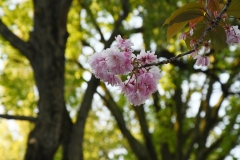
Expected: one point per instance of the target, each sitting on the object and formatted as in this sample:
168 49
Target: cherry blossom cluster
118 66
201 60
232 37
233 34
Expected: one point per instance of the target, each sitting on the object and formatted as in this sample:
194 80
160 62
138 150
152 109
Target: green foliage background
103 139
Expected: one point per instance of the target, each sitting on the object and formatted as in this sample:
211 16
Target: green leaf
234 9
174 29
189 6
186 16
218 38
198 32
200 28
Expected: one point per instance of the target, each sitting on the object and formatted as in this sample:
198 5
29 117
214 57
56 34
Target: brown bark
146 134
139 150
16 117
47 43
45 51
75 148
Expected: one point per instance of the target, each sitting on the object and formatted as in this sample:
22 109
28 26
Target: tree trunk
48 41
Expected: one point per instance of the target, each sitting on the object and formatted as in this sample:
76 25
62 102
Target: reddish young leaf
213 5
200 1
196 20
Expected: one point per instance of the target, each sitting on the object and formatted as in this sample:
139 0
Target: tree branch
15 41
199 42
118 23
211 120
137 30
75 151
144 128
90 14
195 132
170 60
139 150
21 118
75 61
156 101
214 24
209 73
85 43
179 122
225 135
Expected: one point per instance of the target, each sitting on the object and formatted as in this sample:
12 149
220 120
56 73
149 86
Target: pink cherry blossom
233 35
128 53
112 79
123 43
183 36
202 61
207 47
147 57
133 92
123 69
215 14
147 84
138 92
192 27
114 57
140 71
193 42
136 98
141 82
194 54
129 85
108 77
127 66
155 71
118 62
101 74
141 85
98 62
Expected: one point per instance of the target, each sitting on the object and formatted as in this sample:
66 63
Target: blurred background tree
53 108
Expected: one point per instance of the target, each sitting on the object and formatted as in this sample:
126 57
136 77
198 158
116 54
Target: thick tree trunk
48 41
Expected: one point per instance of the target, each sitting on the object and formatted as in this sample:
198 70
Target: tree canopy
53 107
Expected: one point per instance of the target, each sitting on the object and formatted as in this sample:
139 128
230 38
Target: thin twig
170 60
214 24
199 42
